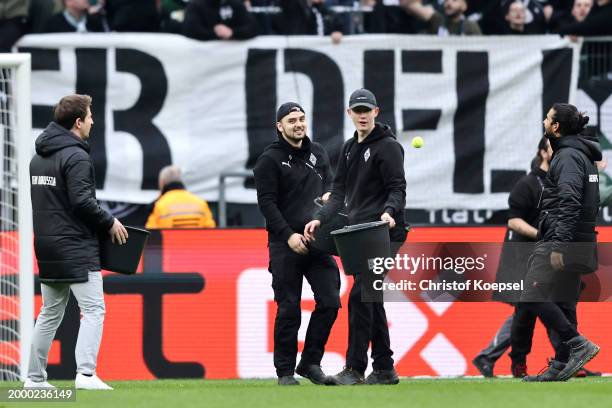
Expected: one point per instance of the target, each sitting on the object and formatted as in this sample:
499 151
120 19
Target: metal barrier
596 59
353 15
222 199
356 8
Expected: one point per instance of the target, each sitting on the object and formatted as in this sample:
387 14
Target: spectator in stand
176 207
307 17
388 17
76 18
597 22
535 17
264 24
218 20
41 11
516 20
13 16
453 22
578 14
134 15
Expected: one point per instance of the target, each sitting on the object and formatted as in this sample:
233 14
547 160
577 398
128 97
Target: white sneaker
83 382
35 384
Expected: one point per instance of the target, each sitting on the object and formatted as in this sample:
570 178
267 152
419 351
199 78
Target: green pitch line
459 393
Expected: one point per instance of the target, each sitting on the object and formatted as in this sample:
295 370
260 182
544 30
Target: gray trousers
500 343
90 297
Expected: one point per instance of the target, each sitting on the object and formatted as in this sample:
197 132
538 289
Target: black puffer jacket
570 201
67 216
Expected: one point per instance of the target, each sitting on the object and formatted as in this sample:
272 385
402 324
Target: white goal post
16 231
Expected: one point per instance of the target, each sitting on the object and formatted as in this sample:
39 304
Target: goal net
16 262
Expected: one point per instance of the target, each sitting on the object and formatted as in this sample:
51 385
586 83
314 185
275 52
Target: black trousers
523 325
517 332
551 296
288 271
368 323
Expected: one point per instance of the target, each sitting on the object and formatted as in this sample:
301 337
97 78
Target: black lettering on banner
379 77
43 59
422 61
469 121
91 80
260 84
328 95
556 77
138 120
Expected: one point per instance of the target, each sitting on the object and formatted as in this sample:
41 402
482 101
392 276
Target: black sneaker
348 376
287 380
484 365
386 377
313 373
550 373
582 351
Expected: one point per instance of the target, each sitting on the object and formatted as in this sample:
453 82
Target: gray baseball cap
362 97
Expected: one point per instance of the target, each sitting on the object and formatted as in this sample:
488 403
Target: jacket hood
380 131
587 144
55 138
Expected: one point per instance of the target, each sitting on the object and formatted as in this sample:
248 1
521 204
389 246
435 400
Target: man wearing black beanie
369 185
289 175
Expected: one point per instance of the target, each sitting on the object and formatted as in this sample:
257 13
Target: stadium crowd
243 19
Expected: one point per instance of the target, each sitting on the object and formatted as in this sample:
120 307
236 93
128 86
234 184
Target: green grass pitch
412 393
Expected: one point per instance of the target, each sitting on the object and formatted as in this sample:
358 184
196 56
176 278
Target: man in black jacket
567 248
370 180
521 235
207 20
289 175
133 15
75 18
307 17
67 224
596 23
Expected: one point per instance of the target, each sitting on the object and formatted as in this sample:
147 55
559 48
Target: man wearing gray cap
289 175
370 182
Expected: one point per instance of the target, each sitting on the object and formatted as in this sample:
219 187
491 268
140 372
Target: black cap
287 108
362 97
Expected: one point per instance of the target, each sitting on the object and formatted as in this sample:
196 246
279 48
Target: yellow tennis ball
417 142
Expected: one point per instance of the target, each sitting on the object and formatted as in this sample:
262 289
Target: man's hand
310 229
388 219
118 233
298 243
223 32
602 164
556 260
325 197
